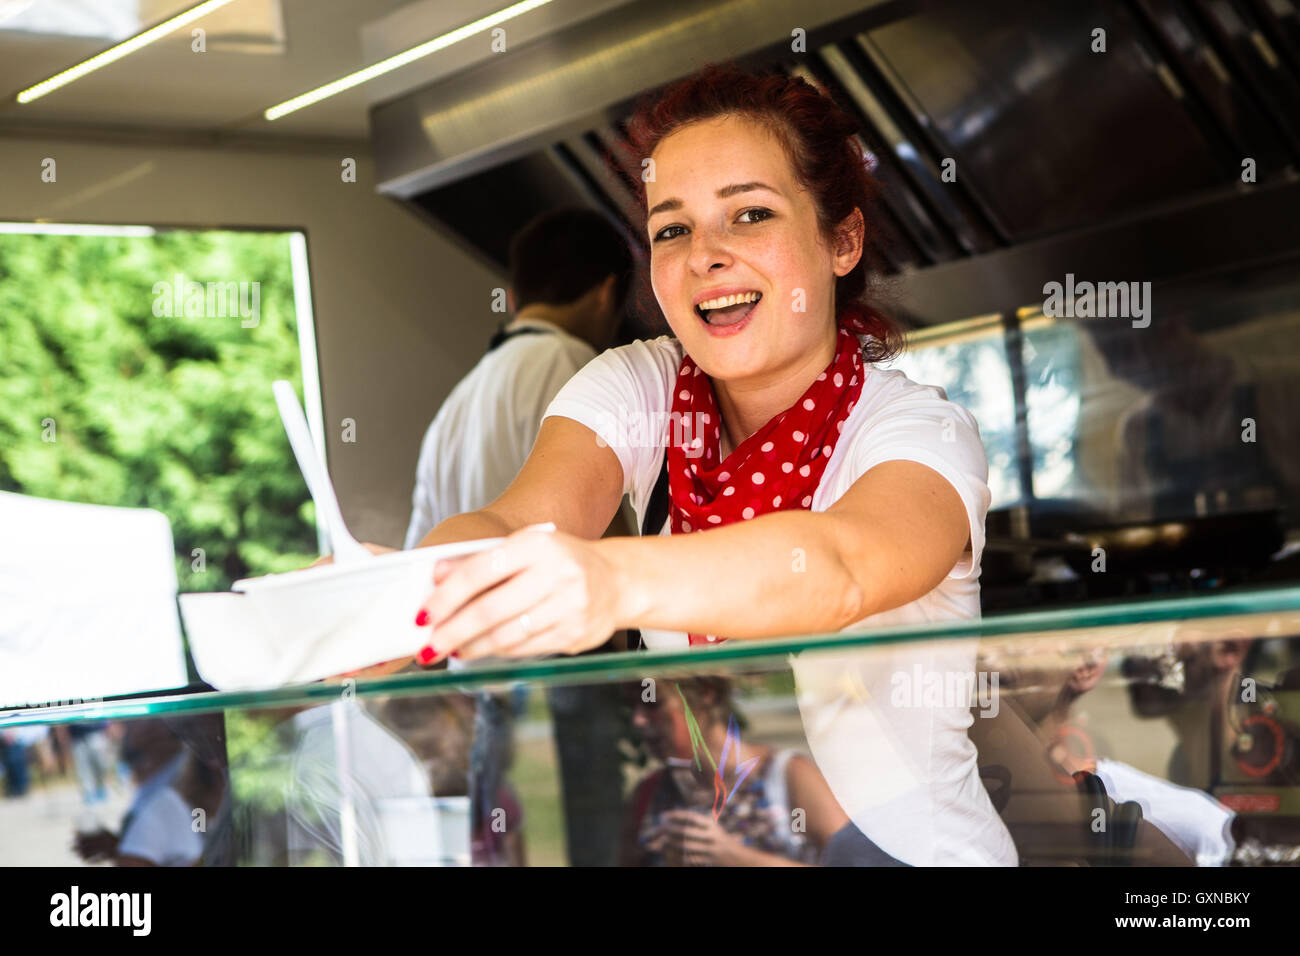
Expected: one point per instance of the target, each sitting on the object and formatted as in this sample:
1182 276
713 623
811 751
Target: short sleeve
161 832
424 514
624 395
918 423
552 360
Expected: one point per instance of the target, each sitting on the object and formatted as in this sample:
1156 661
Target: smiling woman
822 493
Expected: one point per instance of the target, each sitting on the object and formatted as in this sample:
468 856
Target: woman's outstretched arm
890 539
569 479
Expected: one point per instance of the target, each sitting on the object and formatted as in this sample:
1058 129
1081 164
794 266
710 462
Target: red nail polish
427 655
455 654
422 618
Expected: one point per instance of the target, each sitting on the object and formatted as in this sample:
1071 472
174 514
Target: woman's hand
703 841
538 592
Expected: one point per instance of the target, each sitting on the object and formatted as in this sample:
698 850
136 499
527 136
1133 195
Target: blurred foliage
258 745
171 413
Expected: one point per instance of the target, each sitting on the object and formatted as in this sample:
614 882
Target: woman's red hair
818 138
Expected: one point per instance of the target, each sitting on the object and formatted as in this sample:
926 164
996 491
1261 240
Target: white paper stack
87 602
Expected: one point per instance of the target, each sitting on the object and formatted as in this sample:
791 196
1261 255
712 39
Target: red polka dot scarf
778 467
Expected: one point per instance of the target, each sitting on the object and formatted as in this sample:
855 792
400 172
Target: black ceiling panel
1231 106
1054 134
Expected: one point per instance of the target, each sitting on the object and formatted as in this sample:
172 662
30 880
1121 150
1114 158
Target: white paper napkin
87 601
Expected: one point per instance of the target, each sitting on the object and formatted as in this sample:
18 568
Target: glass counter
1160 733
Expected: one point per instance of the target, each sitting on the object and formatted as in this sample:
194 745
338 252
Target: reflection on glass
715 796
1193 415
968 360
1183 733
1053 374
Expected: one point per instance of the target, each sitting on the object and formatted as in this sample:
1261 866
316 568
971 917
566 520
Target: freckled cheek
668 280
787 267
668 267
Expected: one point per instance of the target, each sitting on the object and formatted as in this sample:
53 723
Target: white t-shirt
905 775
481 437
161 828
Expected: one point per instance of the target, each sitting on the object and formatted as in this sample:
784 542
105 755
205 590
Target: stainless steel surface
564 83
1225 227
1048 138
1049 130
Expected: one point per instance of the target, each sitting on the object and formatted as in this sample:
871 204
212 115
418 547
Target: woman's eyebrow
669 205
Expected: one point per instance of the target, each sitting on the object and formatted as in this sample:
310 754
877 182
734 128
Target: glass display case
1140 733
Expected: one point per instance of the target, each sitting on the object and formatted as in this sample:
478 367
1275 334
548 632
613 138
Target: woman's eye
756 211
667 233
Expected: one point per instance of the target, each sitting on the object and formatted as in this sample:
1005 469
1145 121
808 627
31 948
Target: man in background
569 275
570 271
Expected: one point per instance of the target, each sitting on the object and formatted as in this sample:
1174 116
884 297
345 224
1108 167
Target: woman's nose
709 250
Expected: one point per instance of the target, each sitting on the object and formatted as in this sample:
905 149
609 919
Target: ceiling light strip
125 48
401 59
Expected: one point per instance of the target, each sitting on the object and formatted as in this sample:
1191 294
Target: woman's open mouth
727 314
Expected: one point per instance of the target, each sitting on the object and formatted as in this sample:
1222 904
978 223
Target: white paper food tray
314 623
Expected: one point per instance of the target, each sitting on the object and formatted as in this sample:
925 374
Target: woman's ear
849 236
607 294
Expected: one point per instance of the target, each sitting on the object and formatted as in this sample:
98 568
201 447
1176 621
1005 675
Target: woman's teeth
727 302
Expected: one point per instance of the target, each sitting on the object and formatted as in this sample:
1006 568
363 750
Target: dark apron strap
656 509
501 335
656 512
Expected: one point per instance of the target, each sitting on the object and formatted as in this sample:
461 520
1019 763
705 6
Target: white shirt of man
161 825
483 433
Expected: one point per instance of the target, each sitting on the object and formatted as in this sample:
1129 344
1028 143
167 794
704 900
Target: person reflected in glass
739 804
158 828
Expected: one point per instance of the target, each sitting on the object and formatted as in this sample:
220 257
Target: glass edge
631 664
